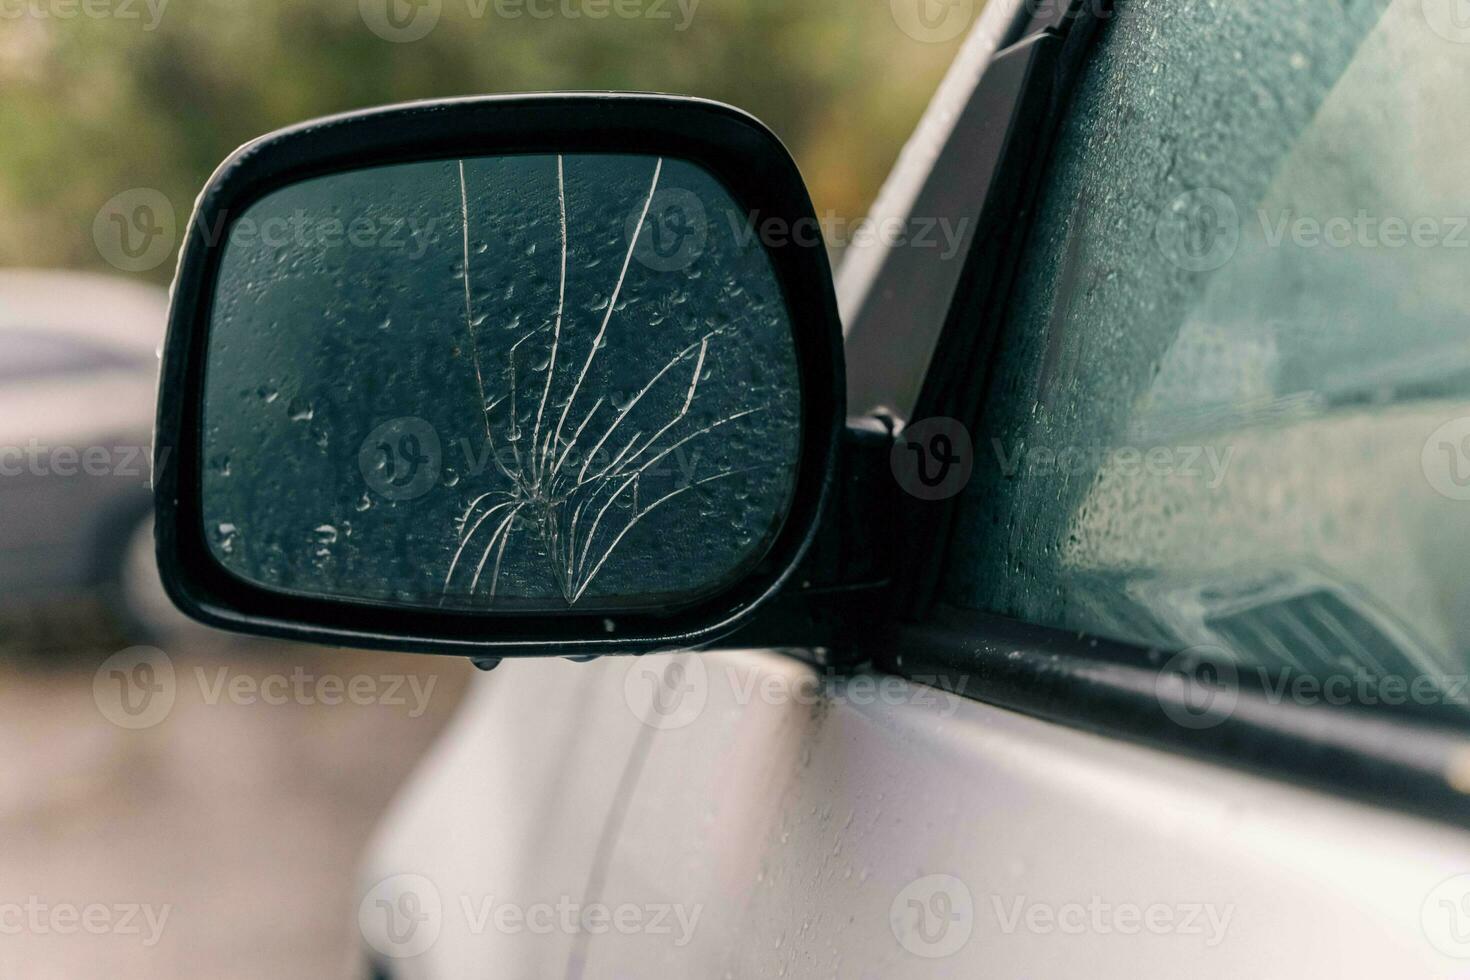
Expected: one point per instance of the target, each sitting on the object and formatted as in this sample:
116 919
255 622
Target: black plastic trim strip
1418 765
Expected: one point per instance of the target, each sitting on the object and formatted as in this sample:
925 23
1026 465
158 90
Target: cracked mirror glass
528 382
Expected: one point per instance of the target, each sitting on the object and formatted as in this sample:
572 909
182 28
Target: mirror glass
528 382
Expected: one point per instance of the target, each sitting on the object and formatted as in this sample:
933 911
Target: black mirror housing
741 154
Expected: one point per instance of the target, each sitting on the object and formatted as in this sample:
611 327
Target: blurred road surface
219 842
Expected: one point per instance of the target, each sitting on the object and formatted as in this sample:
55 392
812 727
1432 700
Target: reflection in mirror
522 383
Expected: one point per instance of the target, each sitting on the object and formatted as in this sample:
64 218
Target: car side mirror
499 376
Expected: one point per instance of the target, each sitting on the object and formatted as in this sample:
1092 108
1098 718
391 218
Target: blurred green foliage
91 106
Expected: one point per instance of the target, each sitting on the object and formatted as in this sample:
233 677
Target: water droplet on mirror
325 536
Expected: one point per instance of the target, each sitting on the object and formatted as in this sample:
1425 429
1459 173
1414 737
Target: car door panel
509 807
795 832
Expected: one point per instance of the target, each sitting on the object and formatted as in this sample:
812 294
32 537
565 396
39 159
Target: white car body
791 823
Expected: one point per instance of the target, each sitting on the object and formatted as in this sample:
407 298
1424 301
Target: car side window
1230 408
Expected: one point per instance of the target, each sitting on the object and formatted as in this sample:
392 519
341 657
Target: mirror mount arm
840 590
839 593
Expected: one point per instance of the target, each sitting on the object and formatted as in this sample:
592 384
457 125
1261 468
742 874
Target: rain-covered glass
521 382
1232 409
